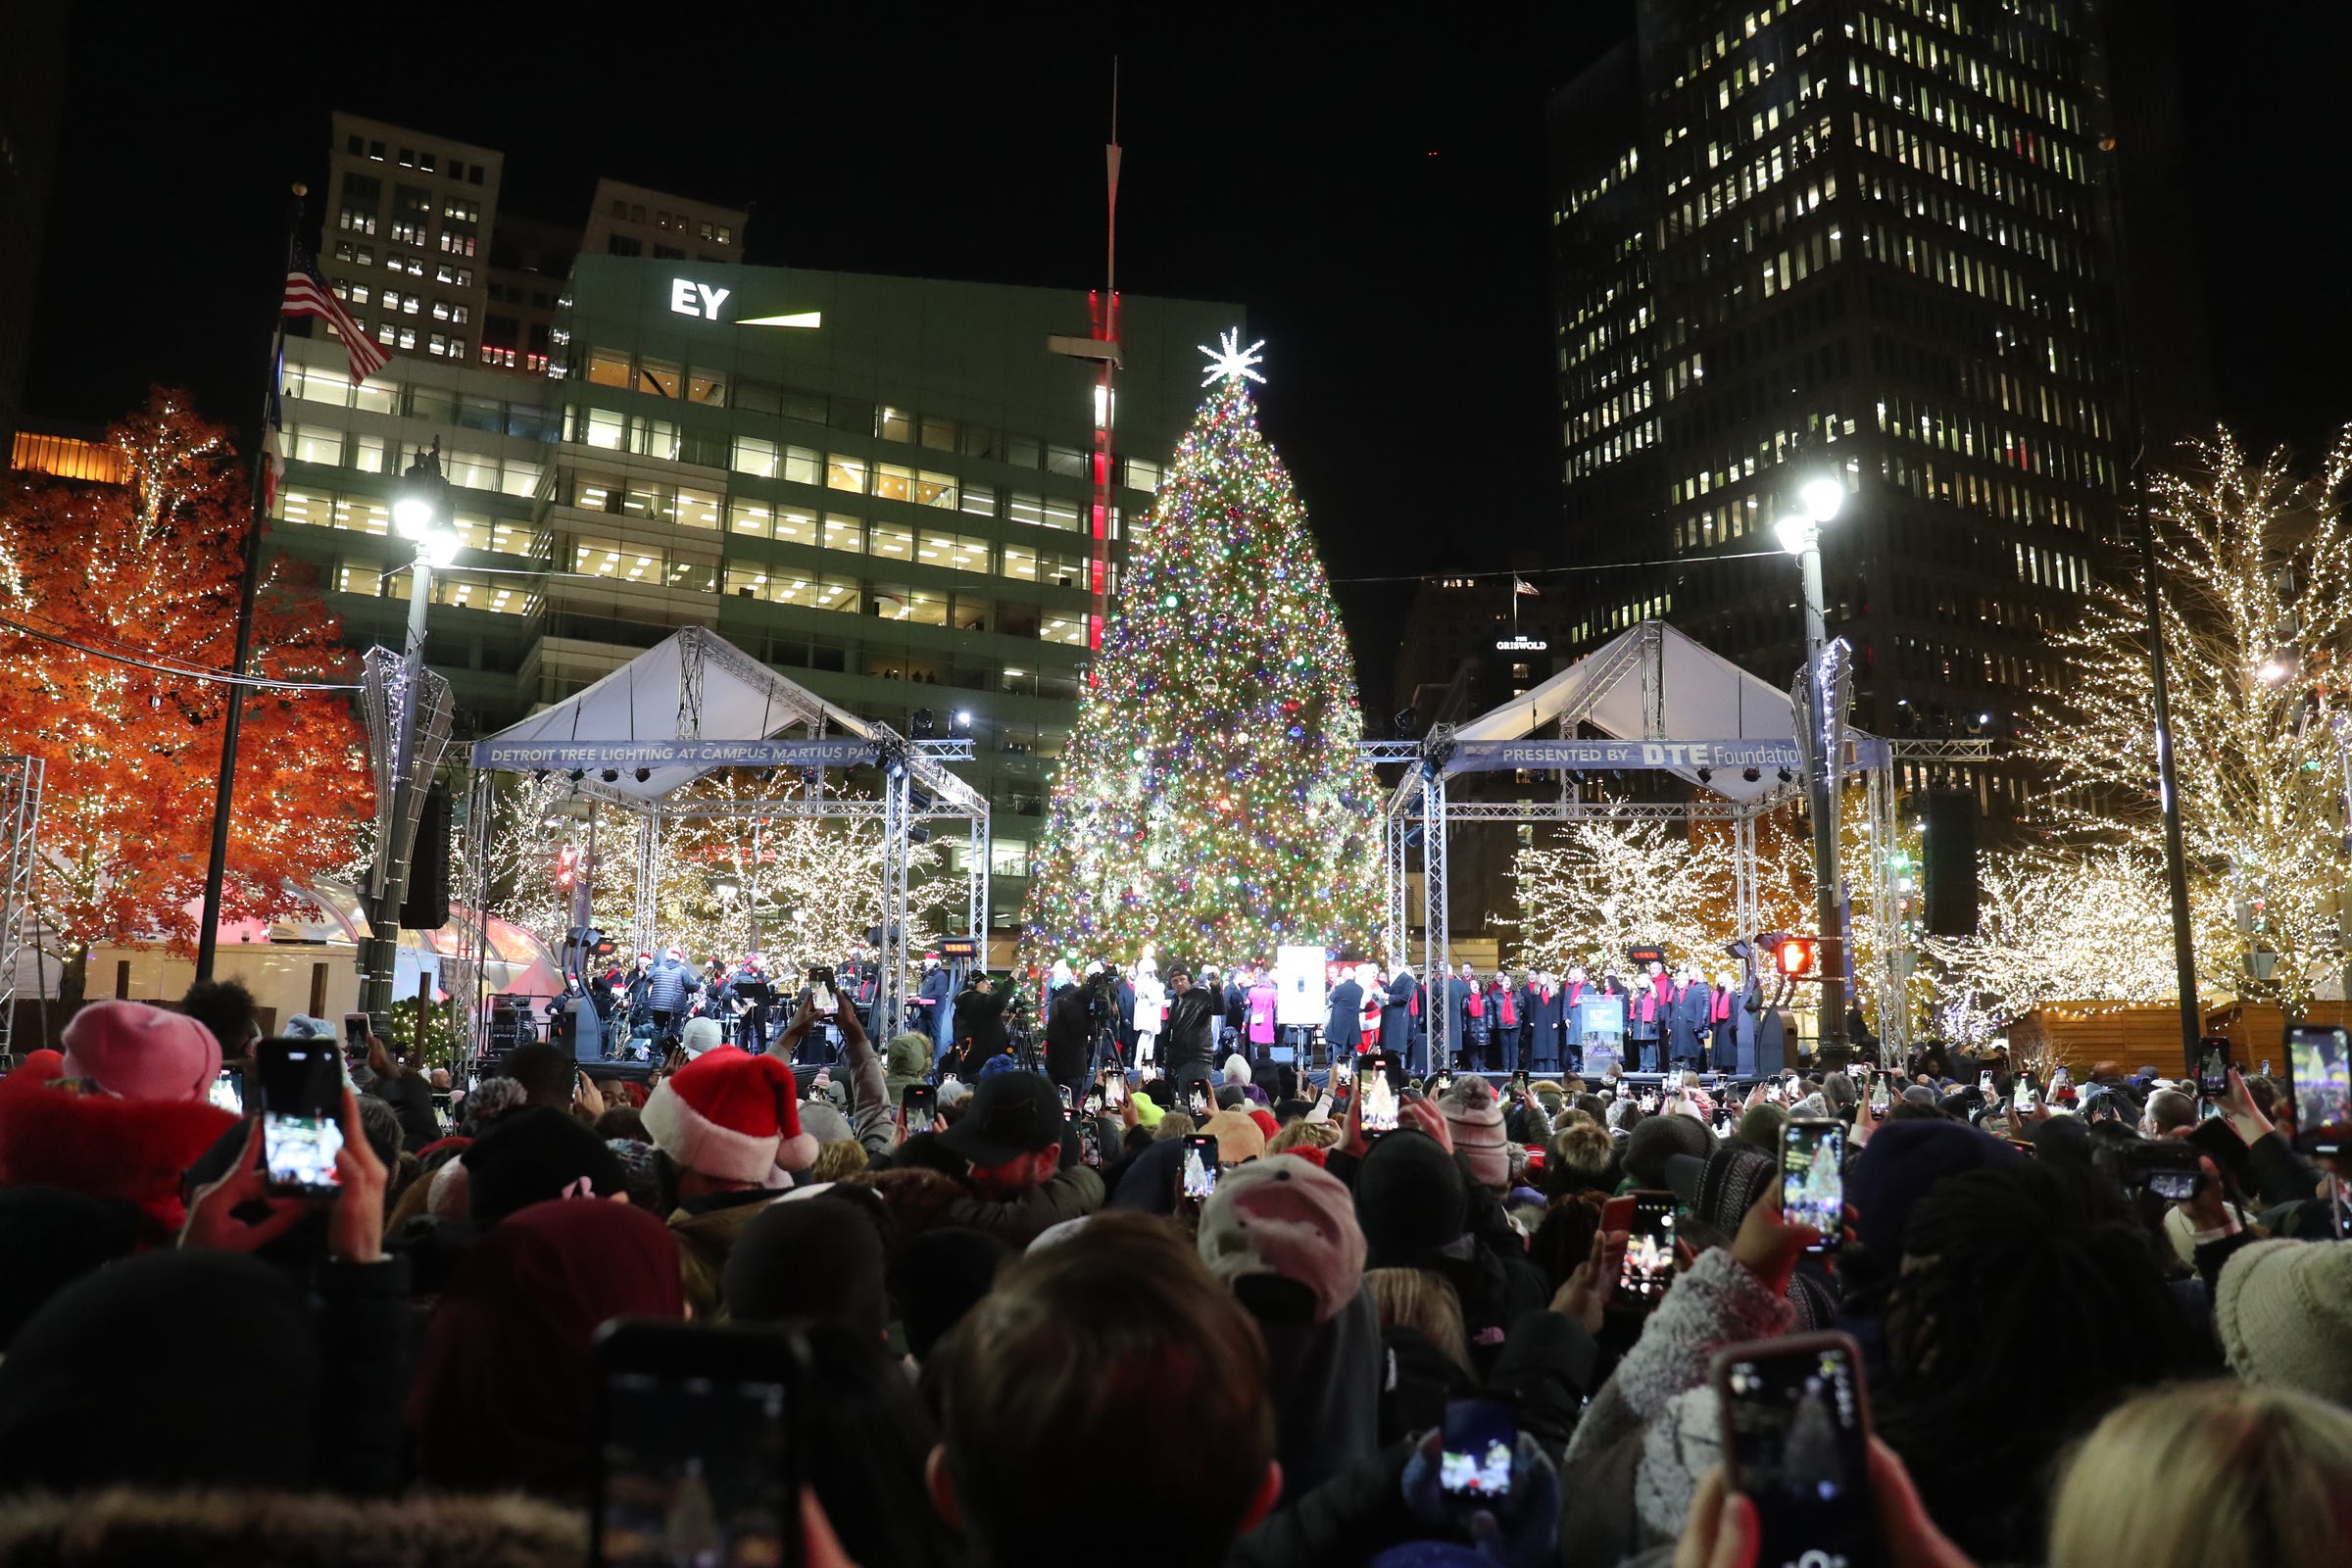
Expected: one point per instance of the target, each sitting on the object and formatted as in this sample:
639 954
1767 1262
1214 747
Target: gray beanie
2283 1311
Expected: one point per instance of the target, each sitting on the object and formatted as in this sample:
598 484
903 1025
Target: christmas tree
1212 801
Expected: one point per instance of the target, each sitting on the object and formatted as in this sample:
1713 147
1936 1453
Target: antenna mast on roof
1102 346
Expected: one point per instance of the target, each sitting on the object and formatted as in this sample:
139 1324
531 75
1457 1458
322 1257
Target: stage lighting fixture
925 723
644 774
1706 776
1752 774
579 773
1787 777
610 775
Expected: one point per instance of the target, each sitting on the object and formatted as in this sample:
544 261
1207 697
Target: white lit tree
797 888
2062 926
1610 882
2254 581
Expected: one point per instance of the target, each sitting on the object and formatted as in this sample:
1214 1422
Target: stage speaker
1949 862
426 905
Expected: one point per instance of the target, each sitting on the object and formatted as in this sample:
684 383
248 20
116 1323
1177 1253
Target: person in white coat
1150 1010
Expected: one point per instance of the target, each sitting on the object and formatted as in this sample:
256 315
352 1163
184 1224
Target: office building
1863 236
411 218
32 75
875 484
631 220
419 251
529 260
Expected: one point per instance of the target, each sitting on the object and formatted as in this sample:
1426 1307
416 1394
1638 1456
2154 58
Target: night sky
1374 192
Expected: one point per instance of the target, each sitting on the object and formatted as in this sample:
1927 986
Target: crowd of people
1193 1313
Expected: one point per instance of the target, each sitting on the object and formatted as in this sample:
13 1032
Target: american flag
1521 588
307 294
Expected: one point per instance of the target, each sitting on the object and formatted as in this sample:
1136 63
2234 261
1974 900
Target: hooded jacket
134 1150
666 989
1073 1191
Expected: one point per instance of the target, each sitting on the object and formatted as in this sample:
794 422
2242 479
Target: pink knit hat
731 1116
137 1051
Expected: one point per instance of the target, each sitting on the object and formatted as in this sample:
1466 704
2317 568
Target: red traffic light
568 865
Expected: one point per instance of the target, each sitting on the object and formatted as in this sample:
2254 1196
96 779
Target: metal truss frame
916 788
21 779
1418 802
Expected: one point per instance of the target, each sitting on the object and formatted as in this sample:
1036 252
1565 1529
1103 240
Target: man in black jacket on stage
1189 1039
979 1029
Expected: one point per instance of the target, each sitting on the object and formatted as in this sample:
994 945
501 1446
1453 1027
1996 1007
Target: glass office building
879 485
1864 235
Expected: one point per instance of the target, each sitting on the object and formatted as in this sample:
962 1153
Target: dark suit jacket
1346 1025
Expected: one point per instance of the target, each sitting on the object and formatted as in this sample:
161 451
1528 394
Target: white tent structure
1661 702
695 704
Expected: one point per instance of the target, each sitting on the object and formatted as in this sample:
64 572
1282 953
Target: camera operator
1070 1033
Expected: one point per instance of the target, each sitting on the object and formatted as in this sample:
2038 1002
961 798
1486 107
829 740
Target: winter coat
670 985
413 1098
1069 1030
705 1229
1636 1442
979 1028
1190 1032
1150 1005
1395 1017
1019 1220
1263 999
1345 1030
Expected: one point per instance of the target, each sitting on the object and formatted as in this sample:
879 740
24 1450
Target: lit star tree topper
1211 801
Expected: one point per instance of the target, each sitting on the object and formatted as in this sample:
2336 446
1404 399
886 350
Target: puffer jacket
672 982
1017 1221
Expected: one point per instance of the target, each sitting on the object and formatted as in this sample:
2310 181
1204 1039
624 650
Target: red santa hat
731 1116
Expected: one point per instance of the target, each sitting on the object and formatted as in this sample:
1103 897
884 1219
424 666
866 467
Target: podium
1597 1023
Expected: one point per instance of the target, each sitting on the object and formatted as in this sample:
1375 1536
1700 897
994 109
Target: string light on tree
2254 588
1211 799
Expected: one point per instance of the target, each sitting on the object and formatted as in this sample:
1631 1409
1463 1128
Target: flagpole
208 934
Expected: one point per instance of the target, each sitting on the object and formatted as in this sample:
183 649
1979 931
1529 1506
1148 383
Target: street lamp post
420 513
1799 534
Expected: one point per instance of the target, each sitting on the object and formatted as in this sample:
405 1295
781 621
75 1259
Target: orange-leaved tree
149 569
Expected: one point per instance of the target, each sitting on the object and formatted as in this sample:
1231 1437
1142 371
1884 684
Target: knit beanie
730 1115
1285 1219
2283 1311
1475 1117
532 1155
824 1122
1655 1140
1410 1198
1721 1187
1266 1122
137 1051
1238 1137
1760 1126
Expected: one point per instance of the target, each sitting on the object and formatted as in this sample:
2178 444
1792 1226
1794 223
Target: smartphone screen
1877 1095
1795 1432
228 1092
695 1461
1198 1101
1065 1090
1648 1250
1519 1080
1813 1178
918 1103
2060 1079
1473 1462
1094 1102
1196 1173
2025 1094
354 1030
820 992
302 1128
2213 1068
2319 1085
1377 1111
1984 1084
